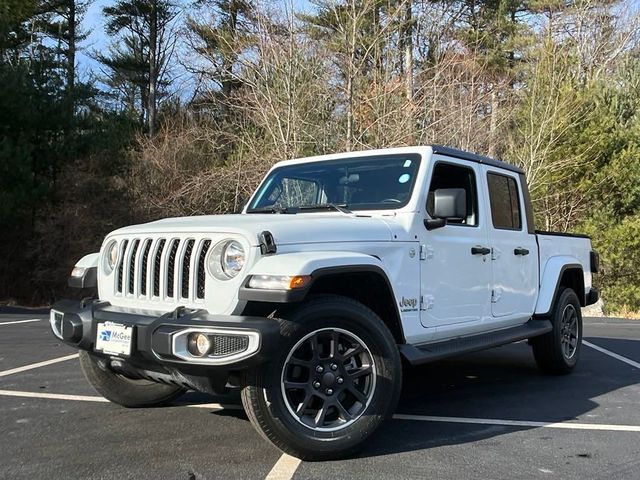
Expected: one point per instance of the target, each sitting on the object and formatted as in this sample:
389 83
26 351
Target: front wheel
557 352
336 378
122 390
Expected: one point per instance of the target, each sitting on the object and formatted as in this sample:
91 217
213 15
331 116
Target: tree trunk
407 42
153 68
493 125
71 55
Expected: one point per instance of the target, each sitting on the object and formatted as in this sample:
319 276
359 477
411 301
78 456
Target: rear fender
552 274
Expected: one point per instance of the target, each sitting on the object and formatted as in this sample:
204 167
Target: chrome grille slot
157 270
143 268
186 268
201 273
123 254
171 267
132 264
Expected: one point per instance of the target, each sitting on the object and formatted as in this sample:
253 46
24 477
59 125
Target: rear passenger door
514 258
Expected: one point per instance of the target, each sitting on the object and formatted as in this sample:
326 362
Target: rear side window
505 203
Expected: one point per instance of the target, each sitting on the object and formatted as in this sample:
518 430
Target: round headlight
110 257
226 260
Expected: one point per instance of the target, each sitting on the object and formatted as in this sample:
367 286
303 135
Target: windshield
359 183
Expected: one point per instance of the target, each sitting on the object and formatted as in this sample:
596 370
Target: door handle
480 250
521 251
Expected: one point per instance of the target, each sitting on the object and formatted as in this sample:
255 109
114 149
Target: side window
448 175
505 203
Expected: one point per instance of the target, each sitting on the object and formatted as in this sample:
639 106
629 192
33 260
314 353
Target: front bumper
156 351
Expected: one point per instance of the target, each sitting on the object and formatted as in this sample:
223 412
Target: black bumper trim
151 348
593 296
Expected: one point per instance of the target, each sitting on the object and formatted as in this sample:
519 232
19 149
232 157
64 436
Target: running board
432 352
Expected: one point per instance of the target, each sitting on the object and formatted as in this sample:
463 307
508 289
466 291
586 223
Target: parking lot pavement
486 415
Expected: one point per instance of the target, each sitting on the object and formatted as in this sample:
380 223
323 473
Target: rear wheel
122 390
336 378
558 351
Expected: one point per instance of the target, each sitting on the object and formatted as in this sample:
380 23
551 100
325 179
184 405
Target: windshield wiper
326 206
269 209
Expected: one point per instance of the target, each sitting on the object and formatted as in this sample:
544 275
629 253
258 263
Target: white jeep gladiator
339 269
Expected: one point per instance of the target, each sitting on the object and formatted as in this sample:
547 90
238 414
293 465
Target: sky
98 40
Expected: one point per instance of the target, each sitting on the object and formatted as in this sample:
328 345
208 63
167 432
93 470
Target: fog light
199 344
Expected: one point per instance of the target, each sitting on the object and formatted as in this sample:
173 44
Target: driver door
456 275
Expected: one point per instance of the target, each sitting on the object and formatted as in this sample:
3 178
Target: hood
285 228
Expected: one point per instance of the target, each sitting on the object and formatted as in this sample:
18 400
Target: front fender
550 280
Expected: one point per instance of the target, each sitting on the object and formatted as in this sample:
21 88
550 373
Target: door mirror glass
450 204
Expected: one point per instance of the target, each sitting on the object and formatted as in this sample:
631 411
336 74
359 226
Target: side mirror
448 204
433 223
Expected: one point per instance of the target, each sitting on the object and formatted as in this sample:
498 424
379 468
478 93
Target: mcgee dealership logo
108 336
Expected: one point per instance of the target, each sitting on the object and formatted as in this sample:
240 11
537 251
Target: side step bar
432 352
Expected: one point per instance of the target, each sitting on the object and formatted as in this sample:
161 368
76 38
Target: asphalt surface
83 437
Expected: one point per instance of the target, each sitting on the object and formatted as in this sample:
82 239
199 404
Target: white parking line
20 321
96 398
626 360
37 365
52 396
520 423
284 468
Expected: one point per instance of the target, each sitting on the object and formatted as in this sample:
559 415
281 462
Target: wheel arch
367 284
353 275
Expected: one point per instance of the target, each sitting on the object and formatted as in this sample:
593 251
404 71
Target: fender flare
316 264
554 269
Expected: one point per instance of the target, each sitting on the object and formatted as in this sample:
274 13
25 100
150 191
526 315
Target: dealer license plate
114 338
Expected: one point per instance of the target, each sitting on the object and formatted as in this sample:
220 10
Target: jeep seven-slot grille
162 268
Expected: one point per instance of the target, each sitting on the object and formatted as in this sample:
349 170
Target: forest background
182 106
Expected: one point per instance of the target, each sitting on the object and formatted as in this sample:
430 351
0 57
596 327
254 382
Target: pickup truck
339 270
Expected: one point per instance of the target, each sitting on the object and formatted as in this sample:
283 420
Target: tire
125 391
558 351
336 326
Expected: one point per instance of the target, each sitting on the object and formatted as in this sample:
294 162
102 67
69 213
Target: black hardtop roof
473 157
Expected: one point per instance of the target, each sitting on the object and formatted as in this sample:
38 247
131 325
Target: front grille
229 344
162 268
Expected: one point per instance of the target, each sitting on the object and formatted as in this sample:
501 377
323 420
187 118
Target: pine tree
222 31
138 59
